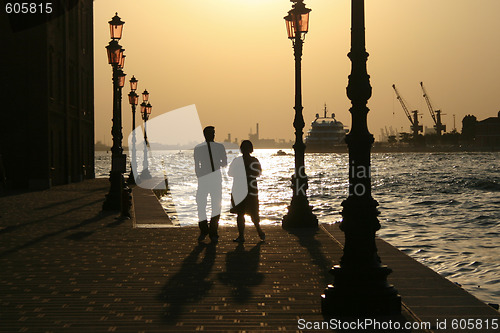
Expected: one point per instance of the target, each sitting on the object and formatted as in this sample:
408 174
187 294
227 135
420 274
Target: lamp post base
113 199
360 292
145 175
131 179
300 214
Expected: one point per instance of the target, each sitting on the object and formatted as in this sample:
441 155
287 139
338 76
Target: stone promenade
67 267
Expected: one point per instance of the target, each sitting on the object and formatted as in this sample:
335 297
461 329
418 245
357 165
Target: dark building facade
47 118
469 124
488 132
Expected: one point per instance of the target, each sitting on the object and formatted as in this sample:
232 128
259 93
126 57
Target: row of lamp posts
118 197
360 285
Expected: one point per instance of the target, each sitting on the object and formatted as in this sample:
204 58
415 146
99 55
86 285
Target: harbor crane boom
436 115
415 126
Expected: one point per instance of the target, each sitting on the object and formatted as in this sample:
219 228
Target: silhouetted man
209 158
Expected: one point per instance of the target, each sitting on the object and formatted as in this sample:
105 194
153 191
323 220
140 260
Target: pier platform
66 266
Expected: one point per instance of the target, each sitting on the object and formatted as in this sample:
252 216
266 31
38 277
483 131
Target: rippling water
440 208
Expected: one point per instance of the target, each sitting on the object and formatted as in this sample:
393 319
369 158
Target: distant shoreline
375 149
434 149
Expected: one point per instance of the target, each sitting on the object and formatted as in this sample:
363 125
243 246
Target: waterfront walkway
68 267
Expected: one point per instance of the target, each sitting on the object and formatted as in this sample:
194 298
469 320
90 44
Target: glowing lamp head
121 78
145 95
115 53
116 27
133 83
297 20
122 60
133 98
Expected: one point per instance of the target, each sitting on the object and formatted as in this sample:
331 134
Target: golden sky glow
233 60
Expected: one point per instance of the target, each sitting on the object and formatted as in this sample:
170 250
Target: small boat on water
326 135
281 153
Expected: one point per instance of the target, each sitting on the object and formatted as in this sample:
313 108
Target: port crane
415 126
436 115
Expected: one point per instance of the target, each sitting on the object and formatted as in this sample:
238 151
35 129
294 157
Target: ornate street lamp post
116 59
133 99
299 212
360 281
145 111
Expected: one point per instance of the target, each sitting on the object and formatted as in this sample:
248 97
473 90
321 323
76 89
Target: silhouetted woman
245 194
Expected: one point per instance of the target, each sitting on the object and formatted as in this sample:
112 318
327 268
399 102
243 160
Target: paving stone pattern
65 266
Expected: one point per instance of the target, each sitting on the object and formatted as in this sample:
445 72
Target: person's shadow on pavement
190 284
241 272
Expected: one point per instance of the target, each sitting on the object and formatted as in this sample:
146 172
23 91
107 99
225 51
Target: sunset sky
233 60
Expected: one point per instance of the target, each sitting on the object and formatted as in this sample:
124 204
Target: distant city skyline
233 60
